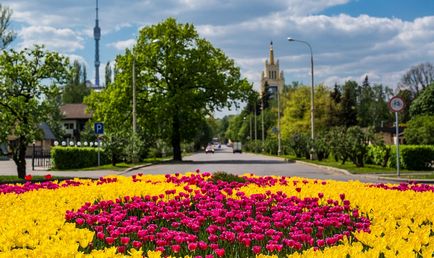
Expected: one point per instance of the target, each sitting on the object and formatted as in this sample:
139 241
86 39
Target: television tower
97 36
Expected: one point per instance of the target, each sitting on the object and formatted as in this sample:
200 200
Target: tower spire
271 53
97 36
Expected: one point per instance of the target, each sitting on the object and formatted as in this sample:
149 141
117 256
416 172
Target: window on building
68 126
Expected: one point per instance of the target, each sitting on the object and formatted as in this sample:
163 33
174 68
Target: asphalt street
222 160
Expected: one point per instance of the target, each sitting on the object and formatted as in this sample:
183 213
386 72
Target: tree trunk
19 157
176 138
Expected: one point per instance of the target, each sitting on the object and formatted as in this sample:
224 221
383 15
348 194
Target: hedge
412 157
76 157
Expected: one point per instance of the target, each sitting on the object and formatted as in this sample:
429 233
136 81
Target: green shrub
412 157
420 130
379 155
300 145
226 177
76 157
417 157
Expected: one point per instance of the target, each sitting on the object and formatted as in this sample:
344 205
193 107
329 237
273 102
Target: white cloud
122 45
344 46
64 40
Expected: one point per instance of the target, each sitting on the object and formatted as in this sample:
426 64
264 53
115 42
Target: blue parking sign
99 128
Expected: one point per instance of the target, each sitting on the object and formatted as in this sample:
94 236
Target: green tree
296 112
6 35
424 102
378 109
76 88
186 77
407 96
348 115
366 99
108 74
418 77
23 88
420 130
336 96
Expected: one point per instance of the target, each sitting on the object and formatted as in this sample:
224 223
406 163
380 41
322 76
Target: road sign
396 104
99 128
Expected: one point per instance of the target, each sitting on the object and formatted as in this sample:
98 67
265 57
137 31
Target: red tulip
28 177
48 176
220 252
256 249
137 244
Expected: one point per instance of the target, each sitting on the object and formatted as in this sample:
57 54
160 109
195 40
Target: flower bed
179 216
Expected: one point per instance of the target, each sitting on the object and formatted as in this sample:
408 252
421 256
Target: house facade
74 120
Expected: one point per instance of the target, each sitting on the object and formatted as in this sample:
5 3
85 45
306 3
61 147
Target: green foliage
424 103
253 146
114 144
133 148
420 130
76 157
300 145
182 79
25 95
418 157
379 154
359 141
321 145
76 89
226 177
6 35
348 115
339 144
407 96
271 145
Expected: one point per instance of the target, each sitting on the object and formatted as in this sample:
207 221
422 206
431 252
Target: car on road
236 147
209 149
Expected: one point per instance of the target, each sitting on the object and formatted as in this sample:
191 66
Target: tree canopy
424 103
180 78
76 89
28 78
6 35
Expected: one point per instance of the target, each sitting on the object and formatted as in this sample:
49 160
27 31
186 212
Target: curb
135 168
343 171
346 172
422 181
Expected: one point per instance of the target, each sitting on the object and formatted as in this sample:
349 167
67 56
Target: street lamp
312 135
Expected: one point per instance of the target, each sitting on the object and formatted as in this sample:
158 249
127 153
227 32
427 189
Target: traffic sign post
396 104
99 130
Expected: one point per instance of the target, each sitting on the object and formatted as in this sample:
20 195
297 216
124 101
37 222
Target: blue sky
350 39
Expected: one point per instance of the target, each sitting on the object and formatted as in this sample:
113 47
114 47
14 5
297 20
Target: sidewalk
8 167
388 177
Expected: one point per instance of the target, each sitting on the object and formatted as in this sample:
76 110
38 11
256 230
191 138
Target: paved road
225 160
221 160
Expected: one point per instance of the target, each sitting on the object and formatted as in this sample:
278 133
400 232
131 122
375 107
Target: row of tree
343 106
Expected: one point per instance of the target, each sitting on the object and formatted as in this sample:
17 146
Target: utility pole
134 94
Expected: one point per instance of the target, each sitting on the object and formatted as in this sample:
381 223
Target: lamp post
134 94
312 125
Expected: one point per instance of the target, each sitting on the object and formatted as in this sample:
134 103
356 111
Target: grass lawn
367 169
122 165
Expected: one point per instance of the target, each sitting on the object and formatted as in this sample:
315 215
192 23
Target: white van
236 147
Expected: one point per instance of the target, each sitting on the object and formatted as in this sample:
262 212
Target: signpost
396 104
99 130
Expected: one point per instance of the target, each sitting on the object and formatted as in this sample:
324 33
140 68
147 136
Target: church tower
272 78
